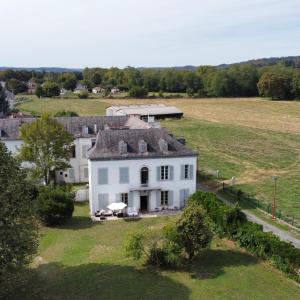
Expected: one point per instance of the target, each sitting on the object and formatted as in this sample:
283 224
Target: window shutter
182 196
103 201
158 199
130 199
103 176
86 172
84 150
171 172
191 172
118 197
170 200
71 173
182 172
158 173
124 175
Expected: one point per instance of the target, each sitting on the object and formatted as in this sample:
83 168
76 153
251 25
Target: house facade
146 169
84 130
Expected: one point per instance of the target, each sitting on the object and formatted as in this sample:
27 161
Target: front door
144 204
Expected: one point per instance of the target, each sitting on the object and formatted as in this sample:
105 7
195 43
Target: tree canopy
18 230
47 145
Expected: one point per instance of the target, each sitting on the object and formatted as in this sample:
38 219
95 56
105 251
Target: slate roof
10 127
107 144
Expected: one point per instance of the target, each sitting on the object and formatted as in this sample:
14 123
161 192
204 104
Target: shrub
55 205
233 223
83 94
66 113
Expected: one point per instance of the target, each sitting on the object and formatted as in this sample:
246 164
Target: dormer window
85 130
142 146
163 145
122 147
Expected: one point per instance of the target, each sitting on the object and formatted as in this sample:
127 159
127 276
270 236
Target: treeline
280 81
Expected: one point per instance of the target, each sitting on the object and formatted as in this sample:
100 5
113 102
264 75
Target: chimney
95 128
163 145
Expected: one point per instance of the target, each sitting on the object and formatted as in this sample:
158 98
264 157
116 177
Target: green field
249 138
85 260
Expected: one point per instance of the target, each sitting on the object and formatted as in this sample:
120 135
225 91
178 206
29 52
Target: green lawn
251 155
85 260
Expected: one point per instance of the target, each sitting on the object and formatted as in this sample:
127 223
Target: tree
55 205
51 89
4 106
39 92
138 92
276 85
46 144
18 230
193 230
68 81
296 84
16 86
83 94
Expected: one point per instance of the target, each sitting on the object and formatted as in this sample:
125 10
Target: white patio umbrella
117 206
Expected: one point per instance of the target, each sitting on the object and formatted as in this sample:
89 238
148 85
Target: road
283 235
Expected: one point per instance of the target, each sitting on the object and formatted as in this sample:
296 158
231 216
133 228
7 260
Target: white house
147 169
79 88
98 90
84 129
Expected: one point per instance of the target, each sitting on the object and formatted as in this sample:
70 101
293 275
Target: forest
280 80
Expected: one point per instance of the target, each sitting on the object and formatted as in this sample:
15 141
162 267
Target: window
186 171
73 152
103 176
164 198
124 175
85 148
124 198
142 146
164 172
93 142
144 175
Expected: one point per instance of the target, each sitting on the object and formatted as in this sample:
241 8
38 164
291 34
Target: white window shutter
182 172
171 170
102 176
118 197
191 172
103 201
170 200
182 195
124 175
158 173
158 195
130 199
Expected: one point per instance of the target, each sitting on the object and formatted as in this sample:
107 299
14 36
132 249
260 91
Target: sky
145 33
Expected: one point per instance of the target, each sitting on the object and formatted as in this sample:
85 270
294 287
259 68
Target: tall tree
47 145
4 106
18 230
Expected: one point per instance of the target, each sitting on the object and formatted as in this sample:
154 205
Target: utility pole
275 178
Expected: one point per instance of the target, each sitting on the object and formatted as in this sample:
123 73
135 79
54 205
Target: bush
138 92
66 113
55 205
83 94
233 223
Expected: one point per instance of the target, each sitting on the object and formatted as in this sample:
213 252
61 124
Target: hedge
232 222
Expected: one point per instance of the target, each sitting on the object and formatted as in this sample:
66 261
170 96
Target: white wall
113 187
78 164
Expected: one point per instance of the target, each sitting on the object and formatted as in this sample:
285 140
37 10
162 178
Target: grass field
85 260
251 139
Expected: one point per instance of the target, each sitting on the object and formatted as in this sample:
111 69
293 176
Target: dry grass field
251 139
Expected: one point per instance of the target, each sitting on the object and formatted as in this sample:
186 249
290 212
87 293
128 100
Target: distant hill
42 69
261 62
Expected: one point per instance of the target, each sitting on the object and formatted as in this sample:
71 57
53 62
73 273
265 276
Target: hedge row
232 222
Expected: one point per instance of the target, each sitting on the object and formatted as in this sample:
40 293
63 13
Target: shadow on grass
78 222
212 263
97 281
